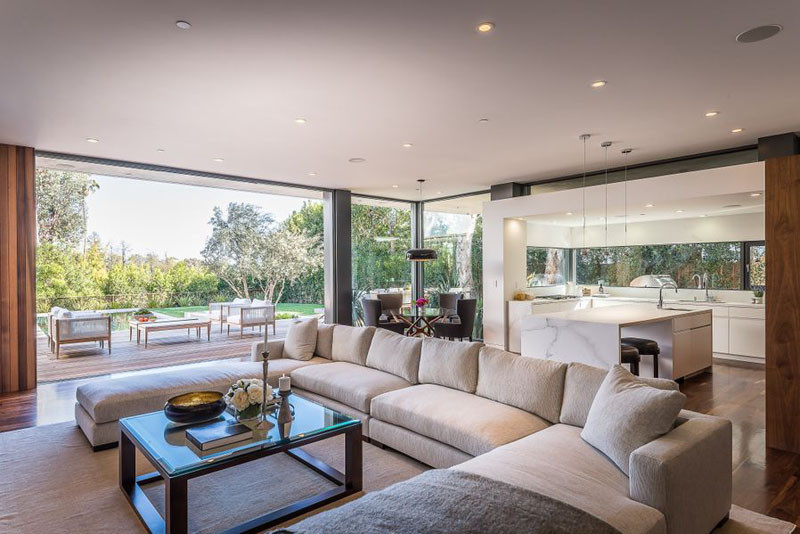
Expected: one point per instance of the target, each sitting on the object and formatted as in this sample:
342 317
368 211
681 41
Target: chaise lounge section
476 410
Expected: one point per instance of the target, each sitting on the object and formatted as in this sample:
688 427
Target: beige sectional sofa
480 410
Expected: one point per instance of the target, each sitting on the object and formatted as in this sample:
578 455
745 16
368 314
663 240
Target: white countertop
624 314
668 302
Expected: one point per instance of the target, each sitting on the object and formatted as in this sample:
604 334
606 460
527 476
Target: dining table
421 320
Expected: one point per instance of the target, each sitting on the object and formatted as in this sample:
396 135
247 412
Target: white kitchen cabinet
720 334
747 335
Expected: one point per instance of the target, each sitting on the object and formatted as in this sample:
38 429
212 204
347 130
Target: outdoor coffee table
167 324
165 447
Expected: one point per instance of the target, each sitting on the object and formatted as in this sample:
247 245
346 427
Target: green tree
237 239
61 206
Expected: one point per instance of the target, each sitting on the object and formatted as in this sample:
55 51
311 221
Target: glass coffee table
165 446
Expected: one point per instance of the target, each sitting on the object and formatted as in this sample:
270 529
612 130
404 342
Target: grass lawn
283 307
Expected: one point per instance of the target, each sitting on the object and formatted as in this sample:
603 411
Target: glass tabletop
166 442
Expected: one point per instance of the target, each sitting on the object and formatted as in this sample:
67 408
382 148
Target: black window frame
746 246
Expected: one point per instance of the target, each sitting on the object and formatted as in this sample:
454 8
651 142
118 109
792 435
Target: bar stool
630 355
646 347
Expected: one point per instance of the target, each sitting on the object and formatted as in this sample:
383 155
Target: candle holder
264 424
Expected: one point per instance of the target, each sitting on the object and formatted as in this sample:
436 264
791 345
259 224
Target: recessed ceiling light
732 206
649 205
759 33
597 84
312 174
704 215
711 113
218 160
407 145
182 24
755 194
438 192
737 130
568 213
92 140
485 27
300 120
395 186
356 160
160 150
65 165
483 121
678 211
642 214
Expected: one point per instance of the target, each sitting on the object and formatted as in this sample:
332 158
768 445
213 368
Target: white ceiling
370 76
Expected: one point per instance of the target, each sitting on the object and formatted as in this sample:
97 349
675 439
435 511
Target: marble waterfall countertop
641 300
624 314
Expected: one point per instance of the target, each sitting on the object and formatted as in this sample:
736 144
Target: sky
164 218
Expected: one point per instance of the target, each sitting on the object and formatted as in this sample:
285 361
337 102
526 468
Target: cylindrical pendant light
605 145
421 254
626 151
584 138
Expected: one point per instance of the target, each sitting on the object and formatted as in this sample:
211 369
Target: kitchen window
547 266
755 272
617 266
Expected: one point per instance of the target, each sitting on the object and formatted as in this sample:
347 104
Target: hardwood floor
766 481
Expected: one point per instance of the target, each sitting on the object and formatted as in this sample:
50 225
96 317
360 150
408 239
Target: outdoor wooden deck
164 349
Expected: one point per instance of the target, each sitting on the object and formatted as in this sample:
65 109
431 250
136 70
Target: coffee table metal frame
176 494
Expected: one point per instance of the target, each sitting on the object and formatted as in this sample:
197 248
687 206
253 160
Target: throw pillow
453 364
301 339
628 413
395 353
351 343
324 340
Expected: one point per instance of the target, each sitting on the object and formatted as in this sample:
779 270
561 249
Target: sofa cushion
111 399
556 462
351 343
580 387
449 363
395 353
348 383
301 339
531 384
324 340
467 422
628 413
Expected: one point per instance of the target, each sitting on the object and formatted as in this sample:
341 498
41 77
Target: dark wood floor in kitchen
766 481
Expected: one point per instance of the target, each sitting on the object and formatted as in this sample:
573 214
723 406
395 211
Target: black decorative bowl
194 407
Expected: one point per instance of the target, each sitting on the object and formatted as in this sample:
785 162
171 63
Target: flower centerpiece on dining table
421 303
245 397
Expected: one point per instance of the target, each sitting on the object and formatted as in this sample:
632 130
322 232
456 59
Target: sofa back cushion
324 340
531 384
395 354
301 339
580 387
453 364
351 343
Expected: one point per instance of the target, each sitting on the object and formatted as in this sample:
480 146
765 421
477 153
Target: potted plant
758 295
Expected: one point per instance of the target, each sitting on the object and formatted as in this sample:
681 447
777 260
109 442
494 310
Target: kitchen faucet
702 283
661 293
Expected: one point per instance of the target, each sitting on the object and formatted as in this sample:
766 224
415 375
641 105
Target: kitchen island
592 336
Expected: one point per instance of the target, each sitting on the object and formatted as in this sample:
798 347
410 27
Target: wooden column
782 220
17 269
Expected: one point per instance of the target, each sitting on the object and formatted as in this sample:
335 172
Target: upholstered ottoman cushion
467 422
348 383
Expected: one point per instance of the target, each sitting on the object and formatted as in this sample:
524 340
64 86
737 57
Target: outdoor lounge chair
252 316
69 327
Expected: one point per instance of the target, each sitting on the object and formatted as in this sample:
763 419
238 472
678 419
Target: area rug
51 481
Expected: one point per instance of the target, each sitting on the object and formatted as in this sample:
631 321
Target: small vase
249 414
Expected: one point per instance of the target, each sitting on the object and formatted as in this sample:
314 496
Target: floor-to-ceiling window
381 235
454 228
113 241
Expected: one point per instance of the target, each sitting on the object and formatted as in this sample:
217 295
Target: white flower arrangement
247 393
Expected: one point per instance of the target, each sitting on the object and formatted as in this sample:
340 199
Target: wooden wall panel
782 219
17 269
